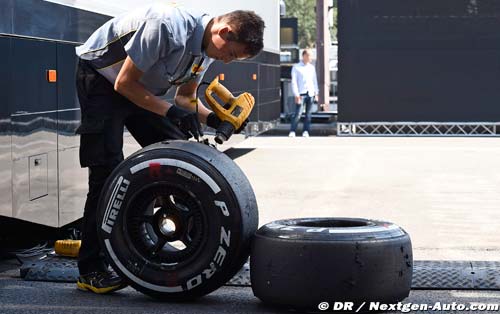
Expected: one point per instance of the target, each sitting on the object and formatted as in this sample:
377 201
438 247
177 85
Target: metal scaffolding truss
418 129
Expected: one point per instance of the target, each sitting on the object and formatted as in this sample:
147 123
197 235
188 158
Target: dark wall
238 78
265 89
38 118
63 24
419 60
41 19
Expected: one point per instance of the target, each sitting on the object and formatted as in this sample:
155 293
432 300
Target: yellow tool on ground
69 248
232 113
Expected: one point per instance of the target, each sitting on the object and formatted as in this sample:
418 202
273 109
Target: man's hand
186 120
297 100
213 121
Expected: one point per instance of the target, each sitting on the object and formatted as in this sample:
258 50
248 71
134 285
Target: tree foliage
304 11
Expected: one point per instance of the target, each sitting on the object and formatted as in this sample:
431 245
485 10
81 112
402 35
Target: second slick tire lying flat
301 263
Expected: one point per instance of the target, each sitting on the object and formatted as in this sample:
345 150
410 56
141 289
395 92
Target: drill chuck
224 132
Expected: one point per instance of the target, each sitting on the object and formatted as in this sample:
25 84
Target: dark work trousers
104 113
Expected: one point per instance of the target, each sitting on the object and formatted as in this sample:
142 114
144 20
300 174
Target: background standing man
123 67
305 89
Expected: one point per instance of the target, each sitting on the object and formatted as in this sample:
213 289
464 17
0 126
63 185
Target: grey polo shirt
163 41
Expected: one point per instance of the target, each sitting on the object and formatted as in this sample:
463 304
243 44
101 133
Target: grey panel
268 95
80 24
66 86
266 57
72 178
419 60
269 111
34 126
38 176
269 76
5 130
269 105
32 91
237 75
73 186
287 98
38 18
265 89
41 19
34 135
6 16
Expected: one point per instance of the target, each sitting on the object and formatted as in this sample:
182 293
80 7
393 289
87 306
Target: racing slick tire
302 263
176 219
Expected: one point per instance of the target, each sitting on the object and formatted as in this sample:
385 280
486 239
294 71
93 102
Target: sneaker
291 134
100 282
305 134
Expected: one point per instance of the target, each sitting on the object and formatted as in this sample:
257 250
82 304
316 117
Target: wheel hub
167 227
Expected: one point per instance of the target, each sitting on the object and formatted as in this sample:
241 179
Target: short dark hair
248 29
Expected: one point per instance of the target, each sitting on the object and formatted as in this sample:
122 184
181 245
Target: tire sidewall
222 217
304 229
301 262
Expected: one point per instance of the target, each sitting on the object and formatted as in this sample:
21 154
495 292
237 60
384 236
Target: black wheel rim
166 226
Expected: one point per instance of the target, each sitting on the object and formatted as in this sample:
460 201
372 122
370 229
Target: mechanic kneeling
123 67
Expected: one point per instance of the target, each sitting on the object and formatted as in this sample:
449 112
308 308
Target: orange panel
51 76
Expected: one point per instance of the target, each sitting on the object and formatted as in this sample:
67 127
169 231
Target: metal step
465 275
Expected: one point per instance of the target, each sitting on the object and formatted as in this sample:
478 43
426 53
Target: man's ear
226 33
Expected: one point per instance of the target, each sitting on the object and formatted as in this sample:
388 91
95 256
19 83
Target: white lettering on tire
179 164
217 260
336 230
114 204
223 208
194 282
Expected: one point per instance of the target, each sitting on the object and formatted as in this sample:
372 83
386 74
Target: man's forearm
136 93
186 102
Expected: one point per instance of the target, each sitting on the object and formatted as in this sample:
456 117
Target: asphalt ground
28 297
445 192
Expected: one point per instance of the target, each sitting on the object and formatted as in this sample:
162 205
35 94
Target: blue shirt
163 41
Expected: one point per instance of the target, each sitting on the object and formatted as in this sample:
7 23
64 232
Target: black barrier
419 60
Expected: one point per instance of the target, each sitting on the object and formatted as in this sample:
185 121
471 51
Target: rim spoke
147 219
187 217
167 204
158 245
160 203
182 208
177 204
150 225
186 237
143 219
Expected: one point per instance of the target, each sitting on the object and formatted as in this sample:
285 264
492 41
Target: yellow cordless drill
232 113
